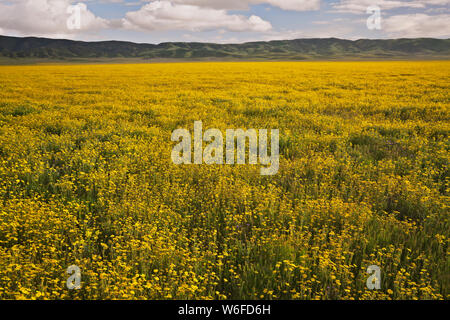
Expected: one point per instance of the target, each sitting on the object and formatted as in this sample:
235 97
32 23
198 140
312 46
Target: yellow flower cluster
86 179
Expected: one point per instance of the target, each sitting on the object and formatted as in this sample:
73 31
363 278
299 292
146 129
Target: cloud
437 2
404 18
417 25
296 5
360 6
401 18
164 15
45 17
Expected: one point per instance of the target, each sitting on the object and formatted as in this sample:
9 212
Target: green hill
301 49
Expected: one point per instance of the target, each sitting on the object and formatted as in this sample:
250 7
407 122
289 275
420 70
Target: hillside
301 49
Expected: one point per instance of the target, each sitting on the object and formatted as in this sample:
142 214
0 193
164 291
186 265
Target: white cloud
295 5
164 15
437 2
360 6
417 25
412 18
45 17
418 18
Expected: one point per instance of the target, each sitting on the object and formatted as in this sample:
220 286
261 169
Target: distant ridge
301 49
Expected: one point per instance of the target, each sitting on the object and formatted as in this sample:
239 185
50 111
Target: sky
224 21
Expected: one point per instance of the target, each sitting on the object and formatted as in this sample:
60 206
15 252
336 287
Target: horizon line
218 43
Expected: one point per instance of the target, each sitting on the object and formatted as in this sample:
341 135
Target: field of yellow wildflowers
86 179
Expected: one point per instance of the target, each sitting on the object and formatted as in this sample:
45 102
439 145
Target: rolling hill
301 49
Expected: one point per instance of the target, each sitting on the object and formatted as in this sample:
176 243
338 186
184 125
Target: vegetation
86 179
302 49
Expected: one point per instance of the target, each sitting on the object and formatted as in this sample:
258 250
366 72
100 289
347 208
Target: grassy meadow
86 179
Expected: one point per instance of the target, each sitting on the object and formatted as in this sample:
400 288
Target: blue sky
224 21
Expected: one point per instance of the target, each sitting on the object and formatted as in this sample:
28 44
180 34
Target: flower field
86 179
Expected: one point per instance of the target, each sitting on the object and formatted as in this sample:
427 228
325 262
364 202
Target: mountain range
300 49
